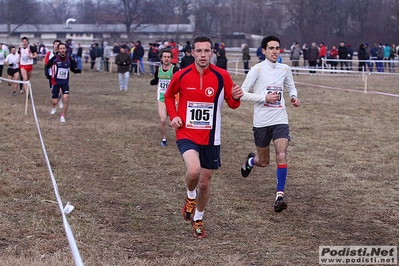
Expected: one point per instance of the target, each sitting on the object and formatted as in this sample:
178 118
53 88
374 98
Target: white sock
279 193
192 194
198 215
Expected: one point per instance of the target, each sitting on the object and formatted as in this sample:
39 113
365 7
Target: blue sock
251 162
281 174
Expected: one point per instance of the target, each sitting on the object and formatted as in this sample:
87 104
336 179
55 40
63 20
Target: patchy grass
128 191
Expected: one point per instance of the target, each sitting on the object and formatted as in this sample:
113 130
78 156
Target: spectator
106 55
367 53
153 57
334 57
313 56
139 50
93 55
361 56
221 57
387 51
115 49
392 55
245 57
380 58
175 53
295 55
79 56
260 54
305 55
322 55
350 55
123 61
374 55
343 55
187 59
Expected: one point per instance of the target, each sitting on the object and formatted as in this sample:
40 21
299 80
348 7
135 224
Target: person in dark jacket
221 55
313 56
350 55
123 61
93 55
187 59
153 57
361 55
137 56
305 55
343 55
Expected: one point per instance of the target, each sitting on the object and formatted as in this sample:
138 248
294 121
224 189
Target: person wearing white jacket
267 80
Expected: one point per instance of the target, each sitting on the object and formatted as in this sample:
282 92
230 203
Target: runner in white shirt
27 53
267 80
13 67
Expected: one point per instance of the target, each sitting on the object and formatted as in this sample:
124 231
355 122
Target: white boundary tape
68 208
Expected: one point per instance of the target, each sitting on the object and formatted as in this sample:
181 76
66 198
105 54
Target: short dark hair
56 41
61 43
268 39
166 50
202 38
24 38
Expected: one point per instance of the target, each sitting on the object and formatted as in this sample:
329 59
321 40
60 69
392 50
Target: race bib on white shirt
199 115
279 91
62 73
163 85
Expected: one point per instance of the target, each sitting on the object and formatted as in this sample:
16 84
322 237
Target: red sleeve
228 92
46 58
173 88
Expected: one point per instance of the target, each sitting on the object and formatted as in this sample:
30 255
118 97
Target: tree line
330 21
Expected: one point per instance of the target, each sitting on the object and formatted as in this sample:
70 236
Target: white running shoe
62 119
60 104
53 111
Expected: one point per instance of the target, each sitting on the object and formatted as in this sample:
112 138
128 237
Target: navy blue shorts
55 91
209 155
263 135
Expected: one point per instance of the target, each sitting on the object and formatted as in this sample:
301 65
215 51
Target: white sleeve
248 84
290 85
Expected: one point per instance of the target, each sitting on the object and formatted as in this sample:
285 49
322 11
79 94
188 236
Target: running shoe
62 119
279 204
53 111
245 168
14 93
21 91
198 229
164 143
189 209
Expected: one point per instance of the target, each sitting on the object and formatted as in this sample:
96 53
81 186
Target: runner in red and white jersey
26 55
202 89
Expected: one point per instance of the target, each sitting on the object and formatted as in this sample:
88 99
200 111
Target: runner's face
62 50
202 54
272 51
55 46
166 57
25 43
13 50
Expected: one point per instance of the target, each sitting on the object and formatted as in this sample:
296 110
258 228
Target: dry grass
128 191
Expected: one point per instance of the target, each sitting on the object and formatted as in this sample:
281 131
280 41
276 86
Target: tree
13 15
132 13
58 11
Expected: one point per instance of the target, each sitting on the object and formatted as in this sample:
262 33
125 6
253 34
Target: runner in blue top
60 66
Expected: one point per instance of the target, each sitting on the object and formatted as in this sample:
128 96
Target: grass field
342 186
